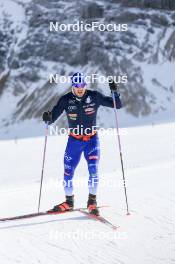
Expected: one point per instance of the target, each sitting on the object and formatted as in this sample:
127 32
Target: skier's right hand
47 116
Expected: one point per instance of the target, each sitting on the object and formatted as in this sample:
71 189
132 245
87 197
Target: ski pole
43 163
120 150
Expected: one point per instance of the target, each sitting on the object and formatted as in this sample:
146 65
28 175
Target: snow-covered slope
146 236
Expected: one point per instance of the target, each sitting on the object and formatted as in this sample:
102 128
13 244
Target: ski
19 217
99 218
32 215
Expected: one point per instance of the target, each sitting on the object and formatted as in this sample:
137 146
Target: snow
12 9
146 236
16 13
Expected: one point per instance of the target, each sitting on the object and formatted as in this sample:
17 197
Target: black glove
47 116
113 86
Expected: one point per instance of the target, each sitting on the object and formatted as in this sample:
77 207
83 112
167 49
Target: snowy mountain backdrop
29 53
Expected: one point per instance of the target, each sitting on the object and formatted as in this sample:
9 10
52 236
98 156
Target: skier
81 107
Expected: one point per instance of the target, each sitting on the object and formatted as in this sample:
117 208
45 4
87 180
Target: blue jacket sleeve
108 101
58 109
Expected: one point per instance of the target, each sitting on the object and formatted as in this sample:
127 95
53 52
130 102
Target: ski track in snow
146 236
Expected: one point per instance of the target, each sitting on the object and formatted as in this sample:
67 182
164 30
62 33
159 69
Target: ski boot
92 205
68 205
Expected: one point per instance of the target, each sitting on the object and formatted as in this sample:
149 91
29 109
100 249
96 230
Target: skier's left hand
113 86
